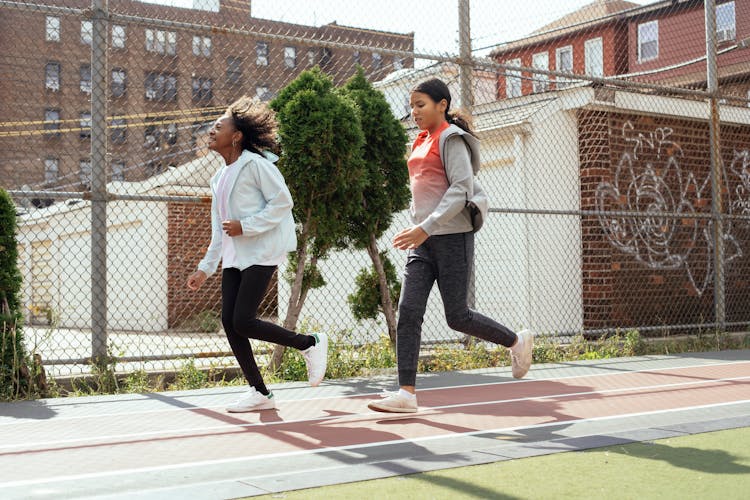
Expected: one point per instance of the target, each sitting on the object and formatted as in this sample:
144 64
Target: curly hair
256 121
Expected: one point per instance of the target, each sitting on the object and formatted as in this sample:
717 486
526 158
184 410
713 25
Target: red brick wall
189 236
656 271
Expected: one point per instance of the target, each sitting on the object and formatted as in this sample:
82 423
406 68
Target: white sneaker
252 400
393 402
521 360
316 359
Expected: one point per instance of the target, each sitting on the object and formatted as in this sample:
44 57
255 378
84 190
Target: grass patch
712 465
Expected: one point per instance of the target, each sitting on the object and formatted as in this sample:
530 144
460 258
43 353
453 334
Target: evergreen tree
321 160
387 192
13 370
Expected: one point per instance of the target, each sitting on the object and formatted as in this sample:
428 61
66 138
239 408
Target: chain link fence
615 151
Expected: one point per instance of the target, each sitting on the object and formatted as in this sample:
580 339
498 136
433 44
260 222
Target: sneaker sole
316 383
390 409
529 339
252 408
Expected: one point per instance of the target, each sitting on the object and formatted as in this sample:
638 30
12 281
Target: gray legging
448 259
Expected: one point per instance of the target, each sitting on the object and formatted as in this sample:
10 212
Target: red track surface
153 439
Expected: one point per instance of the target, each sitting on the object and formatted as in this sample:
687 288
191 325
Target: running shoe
316 359
252 400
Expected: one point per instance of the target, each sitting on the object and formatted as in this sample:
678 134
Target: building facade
165 81
661 43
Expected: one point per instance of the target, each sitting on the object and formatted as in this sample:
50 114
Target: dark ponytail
438 90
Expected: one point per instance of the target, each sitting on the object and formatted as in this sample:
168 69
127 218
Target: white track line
18 421
206 431
204 463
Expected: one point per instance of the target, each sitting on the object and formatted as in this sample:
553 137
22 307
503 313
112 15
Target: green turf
704 466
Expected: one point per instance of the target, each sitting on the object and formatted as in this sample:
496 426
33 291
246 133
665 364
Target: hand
410 238
196 279
232 227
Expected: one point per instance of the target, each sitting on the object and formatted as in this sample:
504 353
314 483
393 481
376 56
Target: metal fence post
467 98
99 180
464 51
712 86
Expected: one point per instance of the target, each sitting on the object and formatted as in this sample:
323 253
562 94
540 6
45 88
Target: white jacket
260 200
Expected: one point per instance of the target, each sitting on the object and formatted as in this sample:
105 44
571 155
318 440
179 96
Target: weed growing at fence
349 360
189 377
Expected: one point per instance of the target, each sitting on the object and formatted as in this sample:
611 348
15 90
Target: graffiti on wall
650 179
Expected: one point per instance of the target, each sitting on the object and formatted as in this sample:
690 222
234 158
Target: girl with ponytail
445 211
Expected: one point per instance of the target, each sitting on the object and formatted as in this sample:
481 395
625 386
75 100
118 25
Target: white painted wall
551 181
136 261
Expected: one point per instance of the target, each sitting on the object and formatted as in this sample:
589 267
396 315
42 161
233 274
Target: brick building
164 84
661 42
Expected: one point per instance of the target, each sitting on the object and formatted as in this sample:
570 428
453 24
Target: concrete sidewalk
183 445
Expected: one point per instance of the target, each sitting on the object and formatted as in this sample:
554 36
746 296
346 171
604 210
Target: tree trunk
296 295
294 308
385 293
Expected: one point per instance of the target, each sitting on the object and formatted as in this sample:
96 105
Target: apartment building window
86 78
540 81
725 22
594 57
203 89
398 63
85 125
118 36
151 134
154 168
325 59
161 87
290 57
564 63
118 170
51 170
261 54
52 76
199 129
234 70
261 92
52 29
311 57
87 32
648 41
161 42
52 122
84 172
118 82
118 130
513 79
170 134
202 46
377 60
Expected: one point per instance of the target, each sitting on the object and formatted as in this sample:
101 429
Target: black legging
242 293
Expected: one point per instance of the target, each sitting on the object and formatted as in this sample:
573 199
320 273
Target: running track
184 445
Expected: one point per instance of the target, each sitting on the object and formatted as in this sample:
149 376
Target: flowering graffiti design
648 179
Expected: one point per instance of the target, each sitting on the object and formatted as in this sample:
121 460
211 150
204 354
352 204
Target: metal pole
99 181
712 87
464 52
467 101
